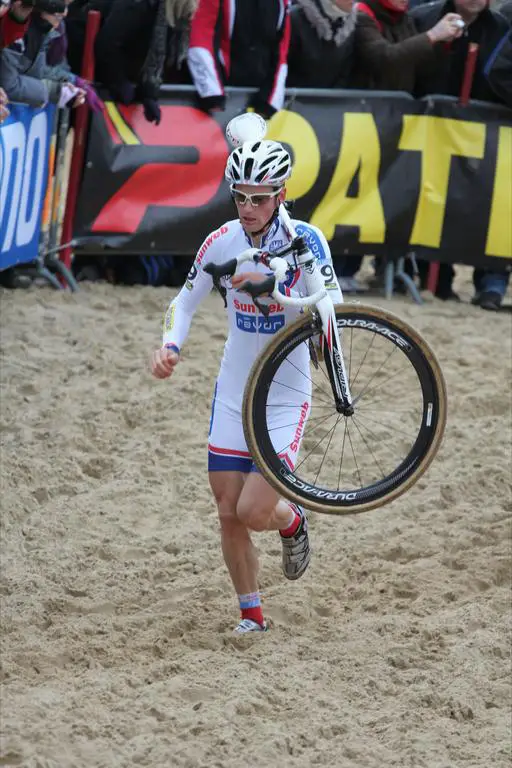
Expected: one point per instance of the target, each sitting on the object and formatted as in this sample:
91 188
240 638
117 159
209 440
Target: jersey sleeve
197 286
319 247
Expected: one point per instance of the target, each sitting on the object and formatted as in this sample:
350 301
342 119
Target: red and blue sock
250 607
294 526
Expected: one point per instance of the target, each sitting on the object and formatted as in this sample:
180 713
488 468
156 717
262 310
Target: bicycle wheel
399 397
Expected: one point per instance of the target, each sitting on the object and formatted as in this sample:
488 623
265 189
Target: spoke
364 358
369 447
342 452
315 406
372 434
383 398
381 383
305 375
365 409
387 426
328 444
294 405
314 448
306 394
355 460
321 368
329 415
294 424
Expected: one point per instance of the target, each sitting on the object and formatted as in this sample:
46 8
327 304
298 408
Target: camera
45 6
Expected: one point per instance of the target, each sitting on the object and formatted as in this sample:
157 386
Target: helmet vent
249 164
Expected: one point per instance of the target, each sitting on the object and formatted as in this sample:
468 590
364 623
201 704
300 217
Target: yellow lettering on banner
438 139
499 234
359 153
293 129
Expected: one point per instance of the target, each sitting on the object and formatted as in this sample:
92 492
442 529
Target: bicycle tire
419 457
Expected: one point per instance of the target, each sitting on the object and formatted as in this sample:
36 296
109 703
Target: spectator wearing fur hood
321 45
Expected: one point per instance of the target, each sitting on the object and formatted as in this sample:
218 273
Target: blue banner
24 150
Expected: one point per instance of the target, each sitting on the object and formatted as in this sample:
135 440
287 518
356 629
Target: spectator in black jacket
321 45
133 47
498 69
506 10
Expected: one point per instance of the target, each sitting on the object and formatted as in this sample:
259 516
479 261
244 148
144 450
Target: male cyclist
257 172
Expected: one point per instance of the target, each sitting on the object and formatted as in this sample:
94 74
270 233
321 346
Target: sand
116 609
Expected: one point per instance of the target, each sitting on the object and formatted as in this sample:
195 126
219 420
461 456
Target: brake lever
217 272
258 289
222 291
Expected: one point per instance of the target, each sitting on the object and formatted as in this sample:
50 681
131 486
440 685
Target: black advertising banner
372 170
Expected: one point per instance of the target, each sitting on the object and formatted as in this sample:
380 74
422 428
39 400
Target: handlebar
278 264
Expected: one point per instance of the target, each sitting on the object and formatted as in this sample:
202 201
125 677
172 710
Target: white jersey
249 331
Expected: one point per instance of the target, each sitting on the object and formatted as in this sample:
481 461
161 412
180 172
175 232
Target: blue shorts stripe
218 463
213 410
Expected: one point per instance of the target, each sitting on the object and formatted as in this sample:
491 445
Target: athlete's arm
181 310
319 247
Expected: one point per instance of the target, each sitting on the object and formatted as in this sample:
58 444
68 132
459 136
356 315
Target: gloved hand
152 111
91 97
125 92
262 107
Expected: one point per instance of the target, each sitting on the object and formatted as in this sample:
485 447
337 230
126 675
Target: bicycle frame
317 296
325 308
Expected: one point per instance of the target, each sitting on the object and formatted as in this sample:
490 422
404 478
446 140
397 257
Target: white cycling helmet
259 163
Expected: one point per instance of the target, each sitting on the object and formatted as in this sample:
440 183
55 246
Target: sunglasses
255 199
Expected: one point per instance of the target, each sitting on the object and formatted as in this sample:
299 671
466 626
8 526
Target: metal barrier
32 144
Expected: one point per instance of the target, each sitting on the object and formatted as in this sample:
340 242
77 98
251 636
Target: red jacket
11 30
241 43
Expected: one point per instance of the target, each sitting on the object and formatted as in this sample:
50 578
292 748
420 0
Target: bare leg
260 507
239 552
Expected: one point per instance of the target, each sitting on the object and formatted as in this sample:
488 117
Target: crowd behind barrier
46 177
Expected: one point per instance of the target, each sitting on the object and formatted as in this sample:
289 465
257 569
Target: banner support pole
81 122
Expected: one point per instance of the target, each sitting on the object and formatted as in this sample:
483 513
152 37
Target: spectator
22 68
14 20
248 48
134 44
57 67
321 44
389 53
498 70
482 26
506 10
498 67
487 28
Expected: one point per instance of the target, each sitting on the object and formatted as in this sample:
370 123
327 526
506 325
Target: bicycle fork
333 353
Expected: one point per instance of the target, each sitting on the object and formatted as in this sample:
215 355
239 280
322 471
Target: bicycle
323 326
